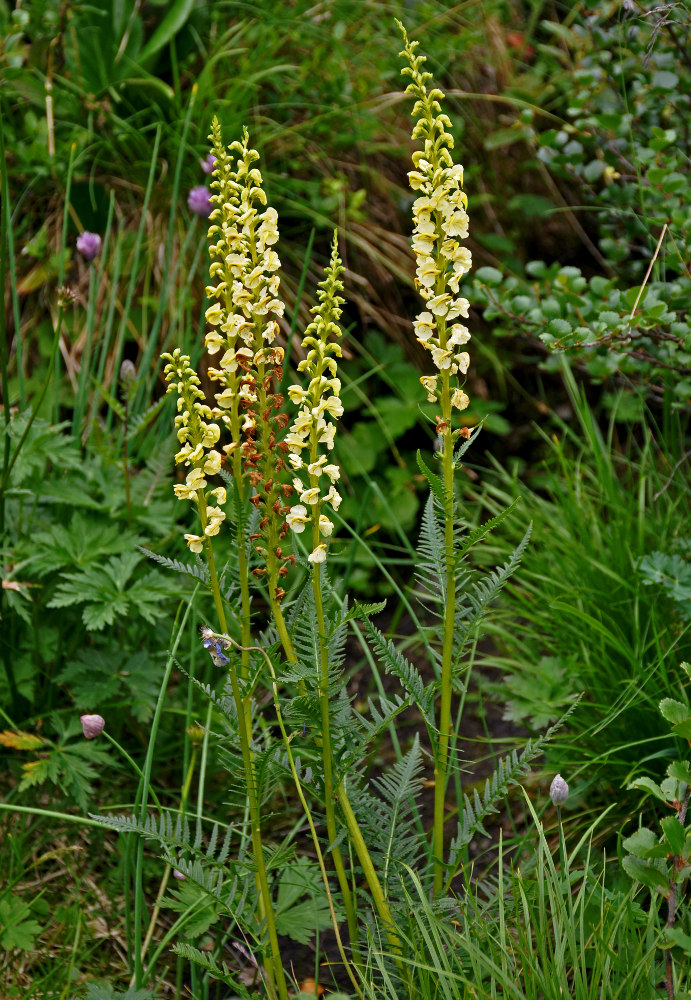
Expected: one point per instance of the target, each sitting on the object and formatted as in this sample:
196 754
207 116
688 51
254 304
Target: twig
647 273
671 475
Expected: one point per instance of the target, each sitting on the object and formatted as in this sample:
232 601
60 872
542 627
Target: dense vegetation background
572 123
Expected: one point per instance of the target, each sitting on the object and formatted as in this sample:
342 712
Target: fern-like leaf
399 788
395 662
220 972
509 770
482 530
197 571
480 595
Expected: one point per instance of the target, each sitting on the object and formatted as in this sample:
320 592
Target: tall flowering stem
440 223
244 324
310 440
198 431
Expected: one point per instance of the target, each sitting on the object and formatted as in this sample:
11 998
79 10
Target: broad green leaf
665 79
680 770
676 936
683 729
177 15
650 786
640 842
674 711
647 874
674 834
559 327
489 276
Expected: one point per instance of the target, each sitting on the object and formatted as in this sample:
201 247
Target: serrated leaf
17 930
650 786
21 740
559 327
674 711
646 874
640 842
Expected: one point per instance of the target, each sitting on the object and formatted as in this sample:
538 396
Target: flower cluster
319 405
216 645
197 432
244 325
441 222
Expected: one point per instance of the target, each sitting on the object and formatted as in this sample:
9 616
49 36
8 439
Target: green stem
243 571
274 967
303 801
339 866
145 787
441 757
365 860
135 767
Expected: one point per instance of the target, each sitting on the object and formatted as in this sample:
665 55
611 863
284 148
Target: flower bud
558 791
89 245
208 164
179 876
128 372
198 201
92 725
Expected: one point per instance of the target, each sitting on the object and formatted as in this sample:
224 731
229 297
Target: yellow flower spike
319 400
440 222
197 434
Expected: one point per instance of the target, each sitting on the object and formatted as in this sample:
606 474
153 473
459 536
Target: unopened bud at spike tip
558 791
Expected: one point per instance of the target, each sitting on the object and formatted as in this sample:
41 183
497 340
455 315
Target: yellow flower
297 518
195 542
440 222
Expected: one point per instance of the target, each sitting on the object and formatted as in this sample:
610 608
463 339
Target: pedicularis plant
258 470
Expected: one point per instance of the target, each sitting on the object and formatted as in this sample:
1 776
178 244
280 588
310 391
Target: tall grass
579 617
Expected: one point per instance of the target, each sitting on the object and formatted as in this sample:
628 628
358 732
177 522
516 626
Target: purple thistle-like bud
198 201
89 245
558 791
208 163
92 725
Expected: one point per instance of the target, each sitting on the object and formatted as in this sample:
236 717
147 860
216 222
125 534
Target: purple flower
198 201
89 245
208 163
92 725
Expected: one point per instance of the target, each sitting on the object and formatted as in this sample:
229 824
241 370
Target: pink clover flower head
89 245
208 164
92 725
198 201
558 791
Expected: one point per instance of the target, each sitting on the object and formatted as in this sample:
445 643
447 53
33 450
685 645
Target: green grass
579 616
